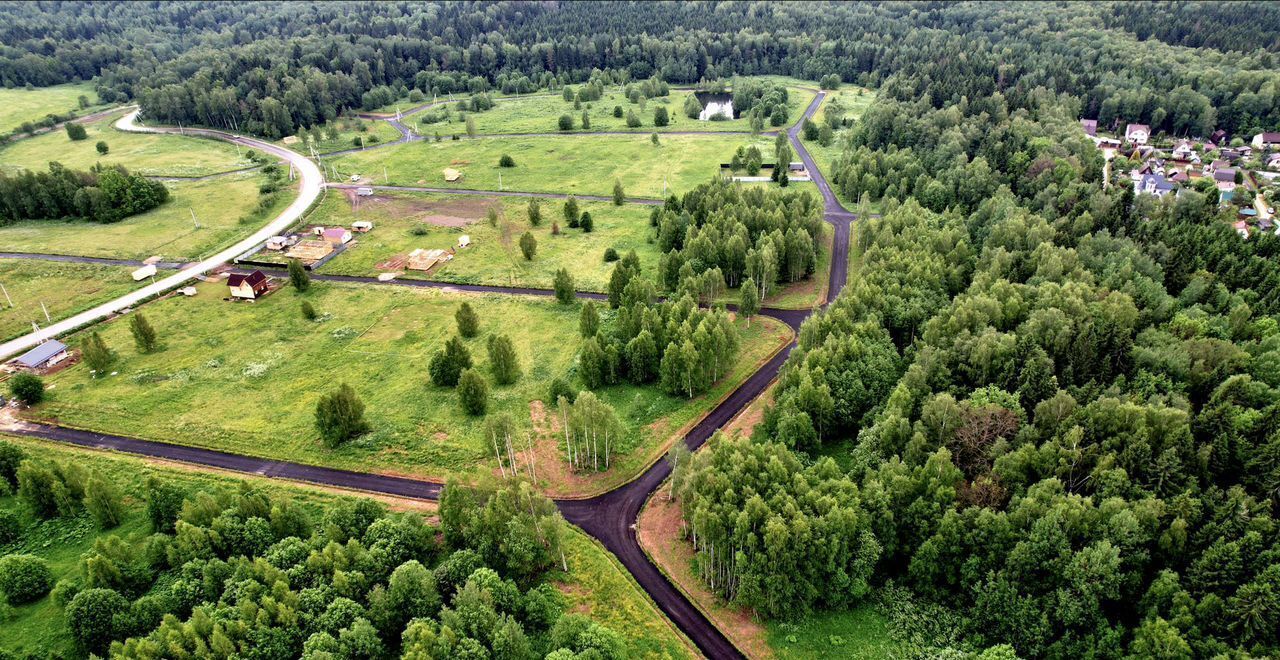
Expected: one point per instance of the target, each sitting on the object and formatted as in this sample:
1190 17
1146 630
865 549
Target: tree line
103 194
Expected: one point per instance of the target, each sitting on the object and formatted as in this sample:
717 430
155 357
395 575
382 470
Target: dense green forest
243 573
104 194
270 68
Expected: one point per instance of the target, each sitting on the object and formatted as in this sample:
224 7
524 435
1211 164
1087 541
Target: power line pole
6 296
46 312
195 223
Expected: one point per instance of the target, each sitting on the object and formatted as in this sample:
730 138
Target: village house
1218 137
1225 178
1153 184
1185 151
247 286
1216 165
362 226
1265 141
337 235
1137 133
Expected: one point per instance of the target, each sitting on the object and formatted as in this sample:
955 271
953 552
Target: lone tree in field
660 116
535 213
589 320
27 388
506 161
447 364
95 353
473 392
692 107
308 312
528 246
468 321
619 197
503 361
298 276
340 416
564 286
566 122
471 126
586 223
653 137
750 302
586 120
143 334
76 131
102 147
571 212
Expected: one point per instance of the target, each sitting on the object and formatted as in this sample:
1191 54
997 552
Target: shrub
506 161
11 456
308 312
528 246
104 501
340 416
564 286
76 131
10 527
468 321
610 255
102 147
447 364
144 336
617 111
559 388
586 223
27 388
91 616
566 122
473 392
298 276
24 578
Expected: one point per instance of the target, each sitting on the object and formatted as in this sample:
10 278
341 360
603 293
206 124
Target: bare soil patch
746 420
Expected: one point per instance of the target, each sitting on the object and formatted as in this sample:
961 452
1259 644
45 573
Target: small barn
45 355
277 242
247 286
451 175
464 241
144 272
337 235
362 226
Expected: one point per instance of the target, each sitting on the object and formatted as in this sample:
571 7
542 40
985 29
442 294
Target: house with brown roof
1265 141
247 286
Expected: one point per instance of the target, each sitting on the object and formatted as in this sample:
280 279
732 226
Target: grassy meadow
141 153
21 105
374 132
245 377
405 221
862 632
568 164
541 113
64 288
226 208
595 584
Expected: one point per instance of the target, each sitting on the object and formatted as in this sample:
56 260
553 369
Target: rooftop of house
252 279
41 354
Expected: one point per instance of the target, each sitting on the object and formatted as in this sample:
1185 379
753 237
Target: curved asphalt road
610 517
312 184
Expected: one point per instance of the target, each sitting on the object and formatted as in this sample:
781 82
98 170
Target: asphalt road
311 185
610 517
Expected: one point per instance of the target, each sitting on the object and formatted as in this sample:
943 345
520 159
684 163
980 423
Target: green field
63 288
862 632
375 132
22 105
494 256
225 207
541 113
583 165
141 153
245 378
595 584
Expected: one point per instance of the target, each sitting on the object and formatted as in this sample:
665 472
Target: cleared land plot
63 288
245 377
140 153
225 207
375 132
568 164
541 114
21 105
404 222
595 584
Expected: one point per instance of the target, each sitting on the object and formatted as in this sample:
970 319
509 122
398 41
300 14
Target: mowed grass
595 584
140 153
375 132
245 377
494 256
63 288
541 114
22 105
225 207
862 632
568 164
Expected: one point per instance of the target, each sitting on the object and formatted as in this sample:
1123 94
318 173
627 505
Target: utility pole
194 223
385 180
46 312
6 296
499 181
